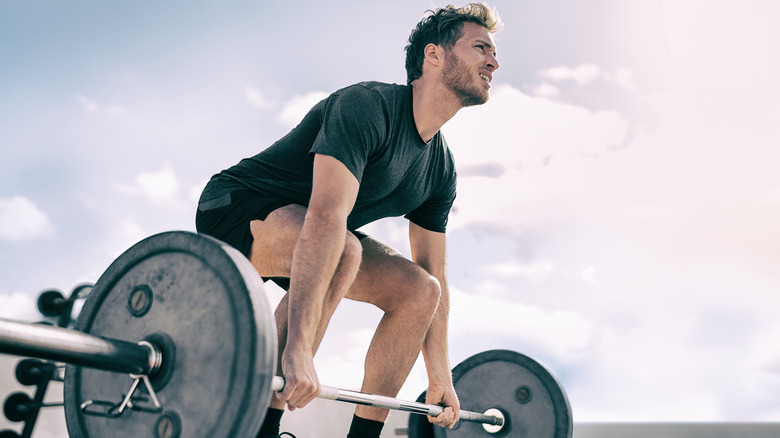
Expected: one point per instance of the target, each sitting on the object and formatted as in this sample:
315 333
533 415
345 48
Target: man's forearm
435 348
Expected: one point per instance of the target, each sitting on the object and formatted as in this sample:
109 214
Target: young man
368 151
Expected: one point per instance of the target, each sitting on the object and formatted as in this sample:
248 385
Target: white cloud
625 78
92 106
257 99
293 110
538 143
126 233
536 270
196 190
546 90
21 219
161 186
521 131
561 332
87 104
19 306
89 202
582 74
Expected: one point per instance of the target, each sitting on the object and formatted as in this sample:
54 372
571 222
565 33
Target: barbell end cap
277 384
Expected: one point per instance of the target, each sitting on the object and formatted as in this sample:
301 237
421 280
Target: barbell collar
77 348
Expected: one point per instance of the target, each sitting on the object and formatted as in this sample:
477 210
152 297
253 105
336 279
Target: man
368 151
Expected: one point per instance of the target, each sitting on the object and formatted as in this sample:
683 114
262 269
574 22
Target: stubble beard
460 80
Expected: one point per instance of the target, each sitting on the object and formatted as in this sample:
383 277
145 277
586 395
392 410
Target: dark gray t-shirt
369 127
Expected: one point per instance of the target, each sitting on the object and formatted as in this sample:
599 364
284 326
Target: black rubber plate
209 313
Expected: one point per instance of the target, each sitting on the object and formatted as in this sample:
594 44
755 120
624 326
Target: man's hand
301 382
443 396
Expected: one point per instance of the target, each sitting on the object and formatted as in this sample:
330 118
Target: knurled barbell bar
185 317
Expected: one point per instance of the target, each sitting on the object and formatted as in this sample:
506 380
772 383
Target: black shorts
227 218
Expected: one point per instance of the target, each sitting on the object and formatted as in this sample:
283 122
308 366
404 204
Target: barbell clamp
113 410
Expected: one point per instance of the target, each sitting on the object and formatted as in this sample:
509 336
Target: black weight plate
530 397
419 426
51 303
33 371
202 302
18 407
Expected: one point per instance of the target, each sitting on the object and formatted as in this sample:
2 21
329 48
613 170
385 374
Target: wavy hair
444 26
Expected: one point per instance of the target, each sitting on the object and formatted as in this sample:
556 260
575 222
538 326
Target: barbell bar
75 348
381 401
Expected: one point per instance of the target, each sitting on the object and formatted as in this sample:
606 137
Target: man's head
443 27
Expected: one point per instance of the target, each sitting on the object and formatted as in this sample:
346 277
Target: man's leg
409 296
272 251
402 289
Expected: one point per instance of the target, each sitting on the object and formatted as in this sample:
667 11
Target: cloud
546 90
19 306
92 106
293 110
524 131
87 104
489 170
559 331
21 219
196 190
160 187
585 74
257 99
625 78
582 74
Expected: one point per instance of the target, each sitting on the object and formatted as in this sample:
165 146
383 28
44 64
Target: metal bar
77 348
380 401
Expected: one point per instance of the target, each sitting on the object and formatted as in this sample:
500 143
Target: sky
617 200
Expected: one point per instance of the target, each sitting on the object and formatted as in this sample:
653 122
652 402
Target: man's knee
353 253
432 292
424 292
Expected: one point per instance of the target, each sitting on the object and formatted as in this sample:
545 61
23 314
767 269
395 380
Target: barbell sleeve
77 348
381 401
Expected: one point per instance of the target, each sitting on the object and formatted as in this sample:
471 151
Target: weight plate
530 397
33 371
51 303
419 426
202 303
18 407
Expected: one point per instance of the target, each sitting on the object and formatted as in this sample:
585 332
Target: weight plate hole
523 394
140 300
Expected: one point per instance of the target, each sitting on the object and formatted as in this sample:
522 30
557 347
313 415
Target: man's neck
433 106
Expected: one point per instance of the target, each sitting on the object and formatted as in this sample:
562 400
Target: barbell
177 339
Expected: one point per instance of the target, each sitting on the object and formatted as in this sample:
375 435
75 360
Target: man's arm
315 259
429 251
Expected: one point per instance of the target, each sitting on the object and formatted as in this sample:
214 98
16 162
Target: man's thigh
227 217
274 240
385 276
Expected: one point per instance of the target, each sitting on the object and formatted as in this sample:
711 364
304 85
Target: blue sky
618 196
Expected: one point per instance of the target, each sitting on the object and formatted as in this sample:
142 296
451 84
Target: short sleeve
354 125
434 212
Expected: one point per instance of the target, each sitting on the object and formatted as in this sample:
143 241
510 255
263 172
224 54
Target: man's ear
434 54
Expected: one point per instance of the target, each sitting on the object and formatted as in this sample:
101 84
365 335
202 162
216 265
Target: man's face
469 65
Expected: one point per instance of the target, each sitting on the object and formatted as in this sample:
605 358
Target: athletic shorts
227 218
